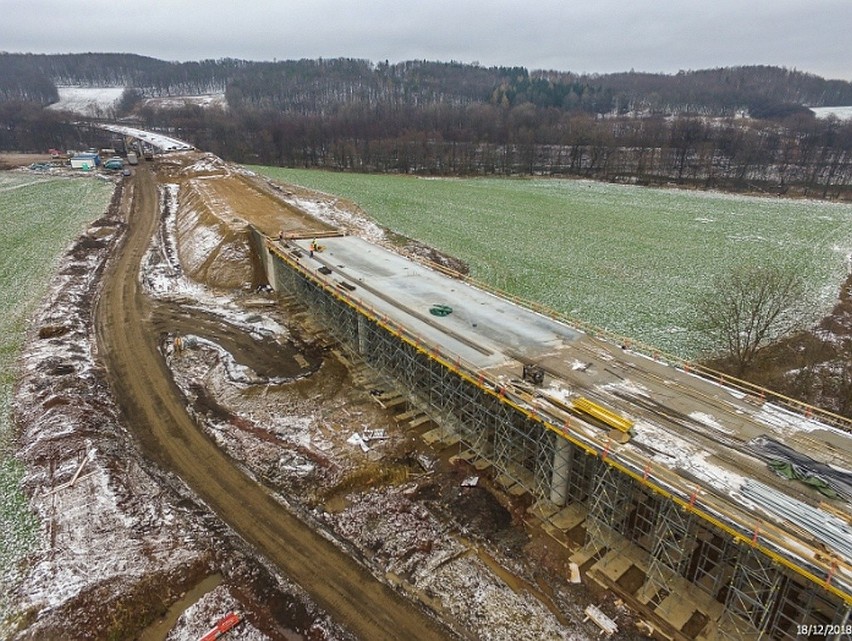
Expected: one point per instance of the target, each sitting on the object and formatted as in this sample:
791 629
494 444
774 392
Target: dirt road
155 413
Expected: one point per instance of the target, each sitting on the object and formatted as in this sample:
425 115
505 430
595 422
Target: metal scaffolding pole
610 506
752 596
674 543
642 527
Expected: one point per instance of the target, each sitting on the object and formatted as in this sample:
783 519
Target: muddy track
266 357
154 411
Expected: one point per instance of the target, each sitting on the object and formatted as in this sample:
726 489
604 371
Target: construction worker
313 246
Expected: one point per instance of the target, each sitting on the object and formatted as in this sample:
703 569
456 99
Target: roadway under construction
674 475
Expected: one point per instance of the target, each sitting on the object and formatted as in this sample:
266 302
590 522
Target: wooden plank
405 416
417 422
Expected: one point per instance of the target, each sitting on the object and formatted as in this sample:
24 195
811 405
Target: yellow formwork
584 405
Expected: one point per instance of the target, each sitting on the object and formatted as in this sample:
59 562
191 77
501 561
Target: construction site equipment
533 374
223 626
584 405
440 310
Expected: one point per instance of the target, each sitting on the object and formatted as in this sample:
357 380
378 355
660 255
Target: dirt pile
213 203
213 246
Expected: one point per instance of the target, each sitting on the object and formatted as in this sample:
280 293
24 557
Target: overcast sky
568 35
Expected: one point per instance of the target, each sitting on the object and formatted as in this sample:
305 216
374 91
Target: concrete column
362 335
269 264
281 277
561 469
267 260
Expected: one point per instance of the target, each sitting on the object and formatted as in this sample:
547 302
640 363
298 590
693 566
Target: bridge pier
362 336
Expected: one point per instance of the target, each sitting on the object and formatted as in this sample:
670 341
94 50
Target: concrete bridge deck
701 445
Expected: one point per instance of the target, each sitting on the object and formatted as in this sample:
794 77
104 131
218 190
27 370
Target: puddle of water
158 630
336 504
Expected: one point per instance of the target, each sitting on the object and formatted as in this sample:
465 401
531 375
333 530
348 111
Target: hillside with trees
739 128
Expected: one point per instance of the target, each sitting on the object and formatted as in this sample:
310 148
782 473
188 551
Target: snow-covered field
88 101
101 101
39 217
843 113
176 102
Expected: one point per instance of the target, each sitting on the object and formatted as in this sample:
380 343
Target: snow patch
88 101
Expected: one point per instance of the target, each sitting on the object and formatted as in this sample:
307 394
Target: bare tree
751 307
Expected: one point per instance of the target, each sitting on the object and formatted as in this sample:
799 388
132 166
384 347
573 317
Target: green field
632 260
39 217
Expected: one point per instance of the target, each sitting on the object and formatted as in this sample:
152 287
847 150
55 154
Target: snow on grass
482 602
88 101
77 561
843 113
404 538
626 258
179 102
39 217
330 211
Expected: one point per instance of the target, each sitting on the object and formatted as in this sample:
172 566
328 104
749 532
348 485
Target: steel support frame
642 527
674 544
752 597
805 607
715 559
582 474
609 507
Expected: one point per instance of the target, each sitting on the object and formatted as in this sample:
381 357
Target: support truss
674 544
752 596
610 507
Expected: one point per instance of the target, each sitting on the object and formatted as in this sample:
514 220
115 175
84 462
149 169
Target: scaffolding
610 507
751 596
760 597
674 543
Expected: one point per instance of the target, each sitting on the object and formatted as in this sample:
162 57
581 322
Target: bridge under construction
719 508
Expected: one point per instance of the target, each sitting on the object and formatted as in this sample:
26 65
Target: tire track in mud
153 408
268 358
